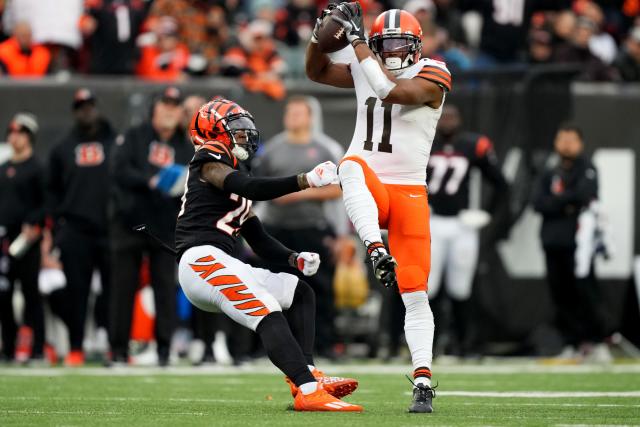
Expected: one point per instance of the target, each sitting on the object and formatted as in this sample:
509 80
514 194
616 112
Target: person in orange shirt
167 59
20 57
256 61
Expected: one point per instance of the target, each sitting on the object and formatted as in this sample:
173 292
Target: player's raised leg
367 204
409 241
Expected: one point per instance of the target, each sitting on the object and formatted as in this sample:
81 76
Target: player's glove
307 262
323 174
171 180
352 24
316 28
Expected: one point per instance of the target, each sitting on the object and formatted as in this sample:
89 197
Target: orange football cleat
74 359
336 386
320 400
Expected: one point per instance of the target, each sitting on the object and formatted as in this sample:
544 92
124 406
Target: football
331 37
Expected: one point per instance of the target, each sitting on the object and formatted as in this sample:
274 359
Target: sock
308 388
301 316
422 375
282 348
359 203
419 328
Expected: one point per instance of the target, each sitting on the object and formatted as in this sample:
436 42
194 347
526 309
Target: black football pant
580 315
313 240
126 258
25 270
81 254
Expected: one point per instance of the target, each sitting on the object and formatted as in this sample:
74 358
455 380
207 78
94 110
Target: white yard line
540 394
259 368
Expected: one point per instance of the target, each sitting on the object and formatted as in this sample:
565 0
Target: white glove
323 174
308 263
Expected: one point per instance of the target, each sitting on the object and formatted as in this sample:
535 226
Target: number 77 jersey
395 140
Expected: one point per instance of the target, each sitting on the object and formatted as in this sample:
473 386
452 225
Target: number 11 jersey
209 216
395 140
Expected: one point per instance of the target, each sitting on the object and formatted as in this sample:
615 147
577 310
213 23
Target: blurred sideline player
454 239
216 211
383 175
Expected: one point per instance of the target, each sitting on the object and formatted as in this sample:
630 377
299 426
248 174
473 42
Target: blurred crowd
263 41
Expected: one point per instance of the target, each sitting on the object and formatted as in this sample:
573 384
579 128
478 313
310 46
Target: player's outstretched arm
231 180
320 68
270 249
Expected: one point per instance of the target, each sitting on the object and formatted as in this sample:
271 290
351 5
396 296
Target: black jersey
210 216
448 171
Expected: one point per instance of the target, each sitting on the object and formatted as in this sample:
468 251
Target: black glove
352 24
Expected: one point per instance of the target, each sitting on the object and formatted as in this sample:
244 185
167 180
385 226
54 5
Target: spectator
78 165
256 61
561 195
298 220
540 47
628 60
504 29
295 22
143 174
601 44
564 25
110 28
202 28
577 52
20 57
54 24
449 18
21 218
167 58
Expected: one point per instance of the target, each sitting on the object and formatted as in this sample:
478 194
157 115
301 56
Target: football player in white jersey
383 174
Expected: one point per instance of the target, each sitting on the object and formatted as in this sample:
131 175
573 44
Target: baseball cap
171 95
83 95
24 122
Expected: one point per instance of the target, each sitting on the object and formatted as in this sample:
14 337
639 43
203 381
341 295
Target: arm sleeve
263 244
259 189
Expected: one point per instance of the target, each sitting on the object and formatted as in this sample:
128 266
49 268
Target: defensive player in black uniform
455 239
216 211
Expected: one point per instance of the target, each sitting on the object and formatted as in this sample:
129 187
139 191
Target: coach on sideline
77 197
146 167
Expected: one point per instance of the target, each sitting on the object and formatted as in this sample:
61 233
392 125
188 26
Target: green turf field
183 397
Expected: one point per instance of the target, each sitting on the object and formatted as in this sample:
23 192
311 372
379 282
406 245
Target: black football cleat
422 397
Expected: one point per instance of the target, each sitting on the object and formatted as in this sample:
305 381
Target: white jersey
395 140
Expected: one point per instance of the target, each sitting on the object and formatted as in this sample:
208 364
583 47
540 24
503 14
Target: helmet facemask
396 52
243 135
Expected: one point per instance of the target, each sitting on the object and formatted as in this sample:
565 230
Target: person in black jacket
21 217
561 195
147 165
77 198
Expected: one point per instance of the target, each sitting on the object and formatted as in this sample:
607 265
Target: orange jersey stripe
210 147
436 80
435 72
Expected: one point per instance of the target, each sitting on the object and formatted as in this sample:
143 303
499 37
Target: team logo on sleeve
89 154
161 154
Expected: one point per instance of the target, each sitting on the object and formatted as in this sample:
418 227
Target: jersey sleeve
215 152
437 72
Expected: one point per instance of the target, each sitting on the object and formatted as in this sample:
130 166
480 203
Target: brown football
331 37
